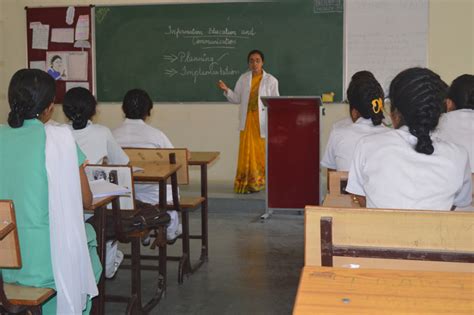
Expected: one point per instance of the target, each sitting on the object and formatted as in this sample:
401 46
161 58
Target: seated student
97 142
41 171
457 125
134 132
359 75
365 97
406 167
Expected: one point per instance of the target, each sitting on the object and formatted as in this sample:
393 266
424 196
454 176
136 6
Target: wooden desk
98 207
339 201
154 171
203 159
326 290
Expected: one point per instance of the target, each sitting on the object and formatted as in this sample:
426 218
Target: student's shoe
118 260
146 240
171 236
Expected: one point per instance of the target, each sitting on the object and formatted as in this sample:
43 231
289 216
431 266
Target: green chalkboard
178 52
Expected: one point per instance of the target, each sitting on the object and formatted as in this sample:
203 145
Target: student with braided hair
365 97
358 76
457 125
407 167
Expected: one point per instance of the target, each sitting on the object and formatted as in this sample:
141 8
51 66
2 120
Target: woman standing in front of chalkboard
249 88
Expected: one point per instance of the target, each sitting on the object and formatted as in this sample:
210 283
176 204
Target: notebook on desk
102 188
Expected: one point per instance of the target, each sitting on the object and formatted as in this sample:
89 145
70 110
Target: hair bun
21 105
79 122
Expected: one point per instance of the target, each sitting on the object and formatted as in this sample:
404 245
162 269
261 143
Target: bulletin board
60 42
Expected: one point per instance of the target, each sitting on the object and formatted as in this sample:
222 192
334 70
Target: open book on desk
102 188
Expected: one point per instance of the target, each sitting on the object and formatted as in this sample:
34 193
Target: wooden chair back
337 183
15 298
117 174
398 239
10 256
138 156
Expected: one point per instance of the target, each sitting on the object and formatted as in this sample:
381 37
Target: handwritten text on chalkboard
207 63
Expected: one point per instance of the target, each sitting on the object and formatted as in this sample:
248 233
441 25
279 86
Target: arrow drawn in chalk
170 72
171 58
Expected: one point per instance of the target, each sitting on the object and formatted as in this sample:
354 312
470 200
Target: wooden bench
16 298
389 239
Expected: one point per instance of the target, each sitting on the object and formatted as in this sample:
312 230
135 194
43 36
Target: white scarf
72 268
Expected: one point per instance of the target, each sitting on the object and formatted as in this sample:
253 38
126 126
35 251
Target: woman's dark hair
418 94
79 106
362 75
30 92
461 91
255 51
365 94
137 104
55 57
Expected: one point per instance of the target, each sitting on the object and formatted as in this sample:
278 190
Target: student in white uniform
365 96
97 143
134 132
457 125
358 76
95 140
406 167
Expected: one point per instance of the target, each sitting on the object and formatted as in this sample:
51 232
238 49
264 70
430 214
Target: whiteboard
385 37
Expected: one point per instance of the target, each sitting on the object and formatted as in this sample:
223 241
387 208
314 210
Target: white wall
214 126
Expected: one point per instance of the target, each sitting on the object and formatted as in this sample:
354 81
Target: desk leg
204 212
185 262
162 236
162 255
136 298
99 301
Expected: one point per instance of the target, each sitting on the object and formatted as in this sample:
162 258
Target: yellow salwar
251 163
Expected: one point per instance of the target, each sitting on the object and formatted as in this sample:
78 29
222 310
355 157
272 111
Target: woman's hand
222 86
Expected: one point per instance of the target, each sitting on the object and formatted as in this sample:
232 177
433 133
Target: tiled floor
253 267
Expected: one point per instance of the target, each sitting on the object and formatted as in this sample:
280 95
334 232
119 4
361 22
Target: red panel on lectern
293 152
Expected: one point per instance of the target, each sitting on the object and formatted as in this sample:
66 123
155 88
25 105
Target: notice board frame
55 17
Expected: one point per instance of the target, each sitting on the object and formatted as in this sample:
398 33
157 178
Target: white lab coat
343 140
241 93
391 174
97 142
135 133
458 127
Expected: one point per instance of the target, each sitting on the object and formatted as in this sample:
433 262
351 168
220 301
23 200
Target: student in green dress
42 172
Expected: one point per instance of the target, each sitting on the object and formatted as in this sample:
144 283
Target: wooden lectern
292 168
